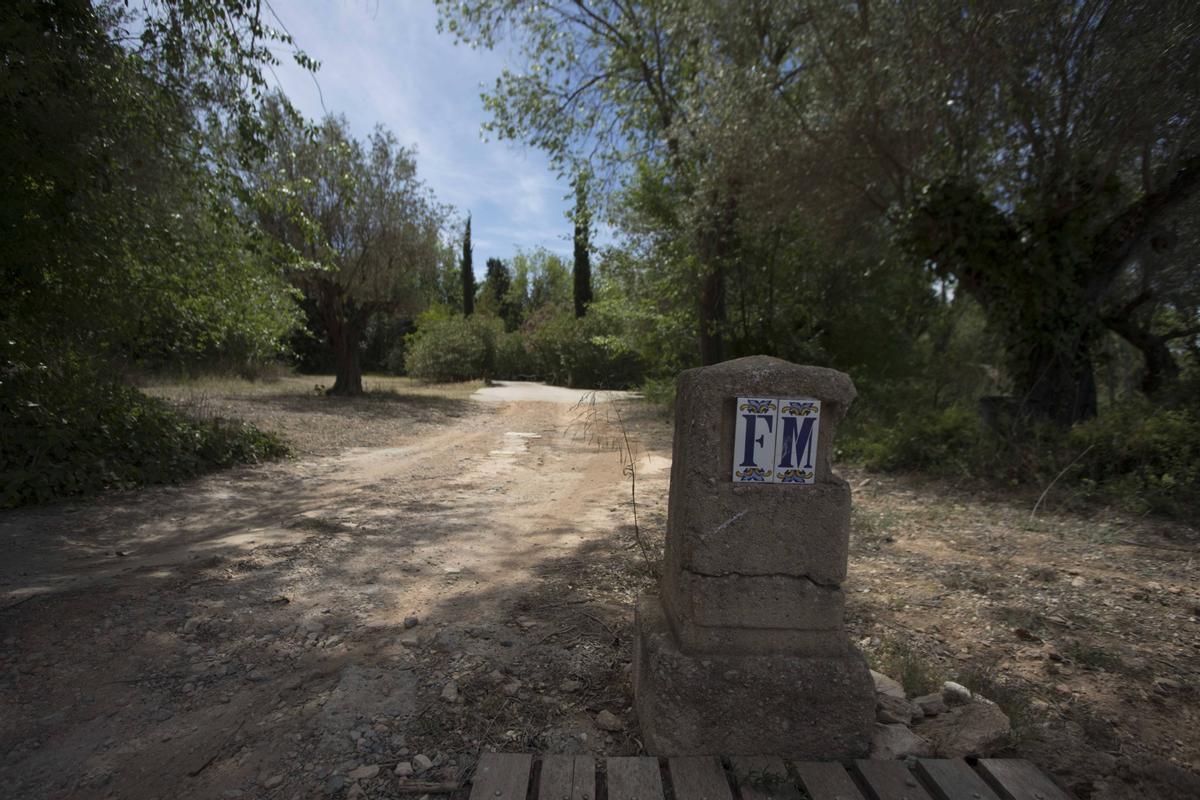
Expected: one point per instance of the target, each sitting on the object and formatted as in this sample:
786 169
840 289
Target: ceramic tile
796 440
754 439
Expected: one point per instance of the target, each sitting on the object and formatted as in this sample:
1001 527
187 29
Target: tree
468 273
582 218
362 229
611 84
122 236
497 294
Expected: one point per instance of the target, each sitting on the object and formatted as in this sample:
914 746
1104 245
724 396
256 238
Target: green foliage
587 352
552 346
453 348
67 429
1142 457
916 672
1137 456
119 209
922 439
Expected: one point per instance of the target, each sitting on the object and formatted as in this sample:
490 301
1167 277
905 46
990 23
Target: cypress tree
583 264
468 273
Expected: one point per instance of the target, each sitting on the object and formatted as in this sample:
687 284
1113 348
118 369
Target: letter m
798 439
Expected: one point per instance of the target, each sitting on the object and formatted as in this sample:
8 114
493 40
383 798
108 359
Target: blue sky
383 61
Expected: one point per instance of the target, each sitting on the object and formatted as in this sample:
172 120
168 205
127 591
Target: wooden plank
763 778
1017 779
699 778
953 778
826 781
889 780
567 778
502 776
634 778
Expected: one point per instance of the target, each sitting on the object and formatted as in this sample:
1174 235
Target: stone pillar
745 652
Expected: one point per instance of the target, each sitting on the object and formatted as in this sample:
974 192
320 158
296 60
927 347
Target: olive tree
363 232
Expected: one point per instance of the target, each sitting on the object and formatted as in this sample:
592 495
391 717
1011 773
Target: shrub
940 441
1136 455
453 348
1141 457
587 352
68 430
513 360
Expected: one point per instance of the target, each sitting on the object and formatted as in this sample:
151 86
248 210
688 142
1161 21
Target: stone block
762 529
795 706
754 601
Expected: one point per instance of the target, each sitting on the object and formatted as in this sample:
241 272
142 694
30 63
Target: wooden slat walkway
512 776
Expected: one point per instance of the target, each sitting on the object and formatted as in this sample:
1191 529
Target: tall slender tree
468 273
583 263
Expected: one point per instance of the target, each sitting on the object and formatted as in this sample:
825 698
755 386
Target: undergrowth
69 428
1138 456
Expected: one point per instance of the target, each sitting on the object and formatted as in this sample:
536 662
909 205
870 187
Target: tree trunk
716 243
345 340
1160 368
1060 385
712 315
1157 359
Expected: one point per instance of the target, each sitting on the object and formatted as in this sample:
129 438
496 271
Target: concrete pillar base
797 705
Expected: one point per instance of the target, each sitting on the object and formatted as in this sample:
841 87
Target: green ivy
67 429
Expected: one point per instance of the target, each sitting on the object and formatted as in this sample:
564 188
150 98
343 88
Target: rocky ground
432 576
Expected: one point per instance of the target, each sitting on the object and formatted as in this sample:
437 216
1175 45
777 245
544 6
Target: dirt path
246 634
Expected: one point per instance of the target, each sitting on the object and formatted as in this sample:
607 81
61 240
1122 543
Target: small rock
273 781
335 784
355 793
364 773
889 742
956 694
570 685
450 692
886 685
893 710
422 762
411 622
511 689
976 729
1166 685
404 769
608 721
931 704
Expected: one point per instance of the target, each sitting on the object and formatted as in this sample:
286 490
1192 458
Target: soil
432 576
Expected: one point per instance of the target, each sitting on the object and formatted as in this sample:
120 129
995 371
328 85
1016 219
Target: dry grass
313 423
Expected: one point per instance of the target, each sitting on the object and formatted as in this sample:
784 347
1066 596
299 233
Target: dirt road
245 635
253 633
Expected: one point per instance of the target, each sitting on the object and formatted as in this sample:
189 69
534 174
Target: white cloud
384 62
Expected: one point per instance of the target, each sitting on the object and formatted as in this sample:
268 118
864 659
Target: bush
447 349
552 346
513 360
938 441
585 353
69 430
1136 455
1141 457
